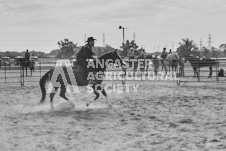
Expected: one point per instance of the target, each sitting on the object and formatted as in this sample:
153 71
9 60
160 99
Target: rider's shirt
164 54
27 55
84 54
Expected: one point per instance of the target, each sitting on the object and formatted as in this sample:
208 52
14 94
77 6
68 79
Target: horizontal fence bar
42 67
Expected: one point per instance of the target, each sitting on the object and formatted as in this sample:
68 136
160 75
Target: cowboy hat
90 39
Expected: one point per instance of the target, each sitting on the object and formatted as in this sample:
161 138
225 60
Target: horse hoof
87 104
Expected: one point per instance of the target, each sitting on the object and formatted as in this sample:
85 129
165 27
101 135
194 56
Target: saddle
81 74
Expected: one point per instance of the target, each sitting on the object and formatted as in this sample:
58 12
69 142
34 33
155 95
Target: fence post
199 71
217 69
40 68
178 74
5 72
22 75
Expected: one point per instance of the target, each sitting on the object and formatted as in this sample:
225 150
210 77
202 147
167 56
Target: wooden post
40 68
5 72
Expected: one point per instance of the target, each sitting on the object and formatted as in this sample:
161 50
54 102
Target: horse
171 60
196 63
80 74
25 64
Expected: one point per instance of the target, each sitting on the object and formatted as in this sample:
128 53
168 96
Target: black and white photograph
122 75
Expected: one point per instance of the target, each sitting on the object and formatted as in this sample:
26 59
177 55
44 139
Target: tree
108 48
186 47
66 48
223 48
215 52
206 52
128 46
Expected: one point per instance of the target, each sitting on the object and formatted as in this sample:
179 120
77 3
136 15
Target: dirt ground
160 116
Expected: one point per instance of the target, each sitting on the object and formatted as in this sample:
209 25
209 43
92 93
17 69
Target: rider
142 54
86 53
164 53
27 55
170 51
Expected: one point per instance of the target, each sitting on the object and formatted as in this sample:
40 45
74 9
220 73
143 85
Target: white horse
172 60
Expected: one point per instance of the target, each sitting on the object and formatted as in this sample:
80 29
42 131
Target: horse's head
189 57
113 57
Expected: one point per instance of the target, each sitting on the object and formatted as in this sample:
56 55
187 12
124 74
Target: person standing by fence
27 56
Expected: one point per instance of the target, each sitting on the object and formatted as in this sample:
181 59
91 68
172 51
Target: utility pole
134 37
209 41
200 44
103 39
123 36
85 38
172 46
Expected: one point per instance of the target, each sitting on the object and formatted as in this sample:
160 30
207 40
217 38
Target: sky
39 24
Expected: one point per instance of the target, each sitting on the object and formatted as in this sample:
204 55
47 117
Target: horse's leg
156 70
180 71
183 72
95 90
31 70
166 70
62 94
163 67
106 97
51 97
211 71
26 70
194 70
197 72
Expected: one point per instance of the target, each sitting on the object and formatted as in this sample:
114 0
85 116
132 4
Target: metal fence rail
10 75
16 75
203 73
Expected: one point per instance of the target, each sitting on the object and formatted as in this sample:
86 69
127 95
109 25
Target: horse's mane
104 55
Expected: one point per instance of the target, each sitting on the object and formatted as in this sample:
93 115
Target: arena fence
203 73
11 75
15 74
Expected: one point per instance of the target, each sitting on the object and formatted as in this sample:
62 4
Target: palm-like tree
66 48
186 47
128 46
223 48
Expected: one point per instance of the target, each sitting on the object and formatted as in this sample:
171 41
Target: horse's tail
42 83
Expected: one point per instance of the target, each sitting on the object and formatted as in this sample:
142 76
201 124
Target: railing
16 75
203 72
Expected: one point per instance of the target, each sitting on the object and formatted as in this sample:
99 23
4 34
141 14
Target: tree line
68 49
188 46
